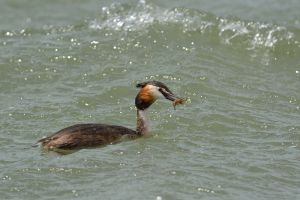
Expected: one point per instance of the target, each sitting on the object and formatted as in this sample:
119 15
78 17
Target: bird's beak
168 95
172 97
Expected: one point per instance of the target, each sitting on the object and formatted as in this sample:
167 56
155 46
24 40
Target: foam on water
246 35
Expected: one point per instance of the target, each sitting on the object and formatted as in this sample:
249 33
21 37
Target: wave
231 31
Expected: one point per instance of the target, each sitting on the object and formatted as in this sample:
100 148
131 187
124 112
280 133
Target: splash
136 18
239 34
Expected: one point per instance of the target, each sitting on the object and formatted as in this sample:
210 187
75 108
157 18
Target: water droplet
158 198
9 33
94 42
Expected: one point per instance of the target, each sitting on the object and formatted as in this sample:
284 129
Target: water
237 137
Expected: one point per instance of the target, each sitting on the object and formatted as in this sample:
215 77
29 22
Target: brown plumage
93 135
86 136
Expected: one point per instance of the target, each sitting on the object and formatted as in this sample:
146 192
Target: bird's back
86 136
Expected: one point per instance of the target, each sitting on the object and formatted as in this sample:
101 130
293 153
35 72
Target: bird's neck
142 125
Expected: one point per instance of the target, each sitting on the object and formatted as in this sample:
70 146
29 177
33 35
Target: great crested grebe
81 136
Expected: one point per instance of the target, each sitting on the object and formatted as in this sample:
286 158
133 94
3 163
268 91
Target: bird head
150 91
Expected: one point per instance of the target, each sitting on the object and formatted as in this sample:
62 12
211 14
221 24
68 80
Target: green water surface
68 62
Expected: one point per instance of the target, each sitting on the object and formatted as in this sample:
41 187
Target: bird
91 135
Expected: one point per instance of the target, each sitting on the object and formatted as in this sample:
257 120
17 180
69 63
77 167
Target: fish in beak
172 97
